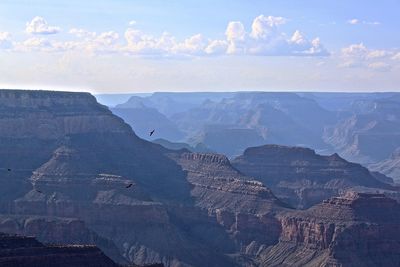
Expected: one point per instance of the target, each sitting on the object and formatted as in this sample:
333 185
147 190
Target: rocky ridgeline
339 232
301 177
27 251
53 115
390 166
217 185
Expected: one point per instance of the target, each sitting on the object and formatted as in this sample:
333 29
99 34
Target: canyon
73 173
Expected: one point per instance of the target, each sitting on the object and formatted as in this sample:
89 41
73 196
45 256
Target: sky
123 46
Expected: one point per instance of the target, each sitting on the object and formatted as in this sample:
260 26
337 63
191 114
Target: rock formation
72 158
300 176
353 230
390 166
27 252
66 163
370 133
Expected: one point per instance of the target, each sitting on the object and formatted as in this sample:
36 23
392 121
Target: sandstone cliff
353 230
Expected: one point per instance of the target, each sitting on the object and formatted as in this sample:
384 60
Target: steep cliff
302 177
74 173
390 166
27 252
353 230
370 133
70 157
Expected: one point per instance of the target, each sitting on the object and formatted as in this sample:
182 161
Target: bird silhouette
9 169
151 133
129 185
40 192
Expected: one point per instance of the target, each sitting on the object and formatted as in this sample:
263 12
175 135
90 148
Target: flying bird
151 133
40 192
129 185
9 169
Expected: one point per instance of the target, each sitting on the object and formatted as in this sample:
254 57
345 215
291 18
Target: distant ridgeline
361 127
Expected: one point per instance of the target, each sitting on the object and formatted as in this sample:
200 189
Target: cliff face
76 174
216 184
370 133
242 205
302 177
65 155
390 166
27 251
35 123
83 161
353 230
57 230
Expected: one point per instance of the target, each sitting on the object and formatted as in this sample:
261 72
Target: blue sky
145 46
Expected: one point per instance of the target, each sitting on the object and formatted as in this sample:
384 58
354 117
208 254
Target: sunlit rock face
353 230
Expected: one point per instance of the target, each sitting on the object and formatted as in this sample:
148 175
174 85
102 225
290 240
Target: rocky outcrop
27 251
57 230
370 133
352 230
390 166
300 176
242 205
216 184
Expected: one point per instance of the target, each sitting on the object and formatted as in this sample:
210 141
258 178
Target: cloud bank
263 38
38 25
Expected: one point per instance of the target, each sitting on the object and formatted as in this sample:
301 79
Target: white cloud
107 38
87 41
353 21
377 54
140 43
193 45
216 47
298 38
235 34
355 50
372 22
34 44
263 27
358 55
235 31
357 21
38 25
81 33
263 38
5 40
396 56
